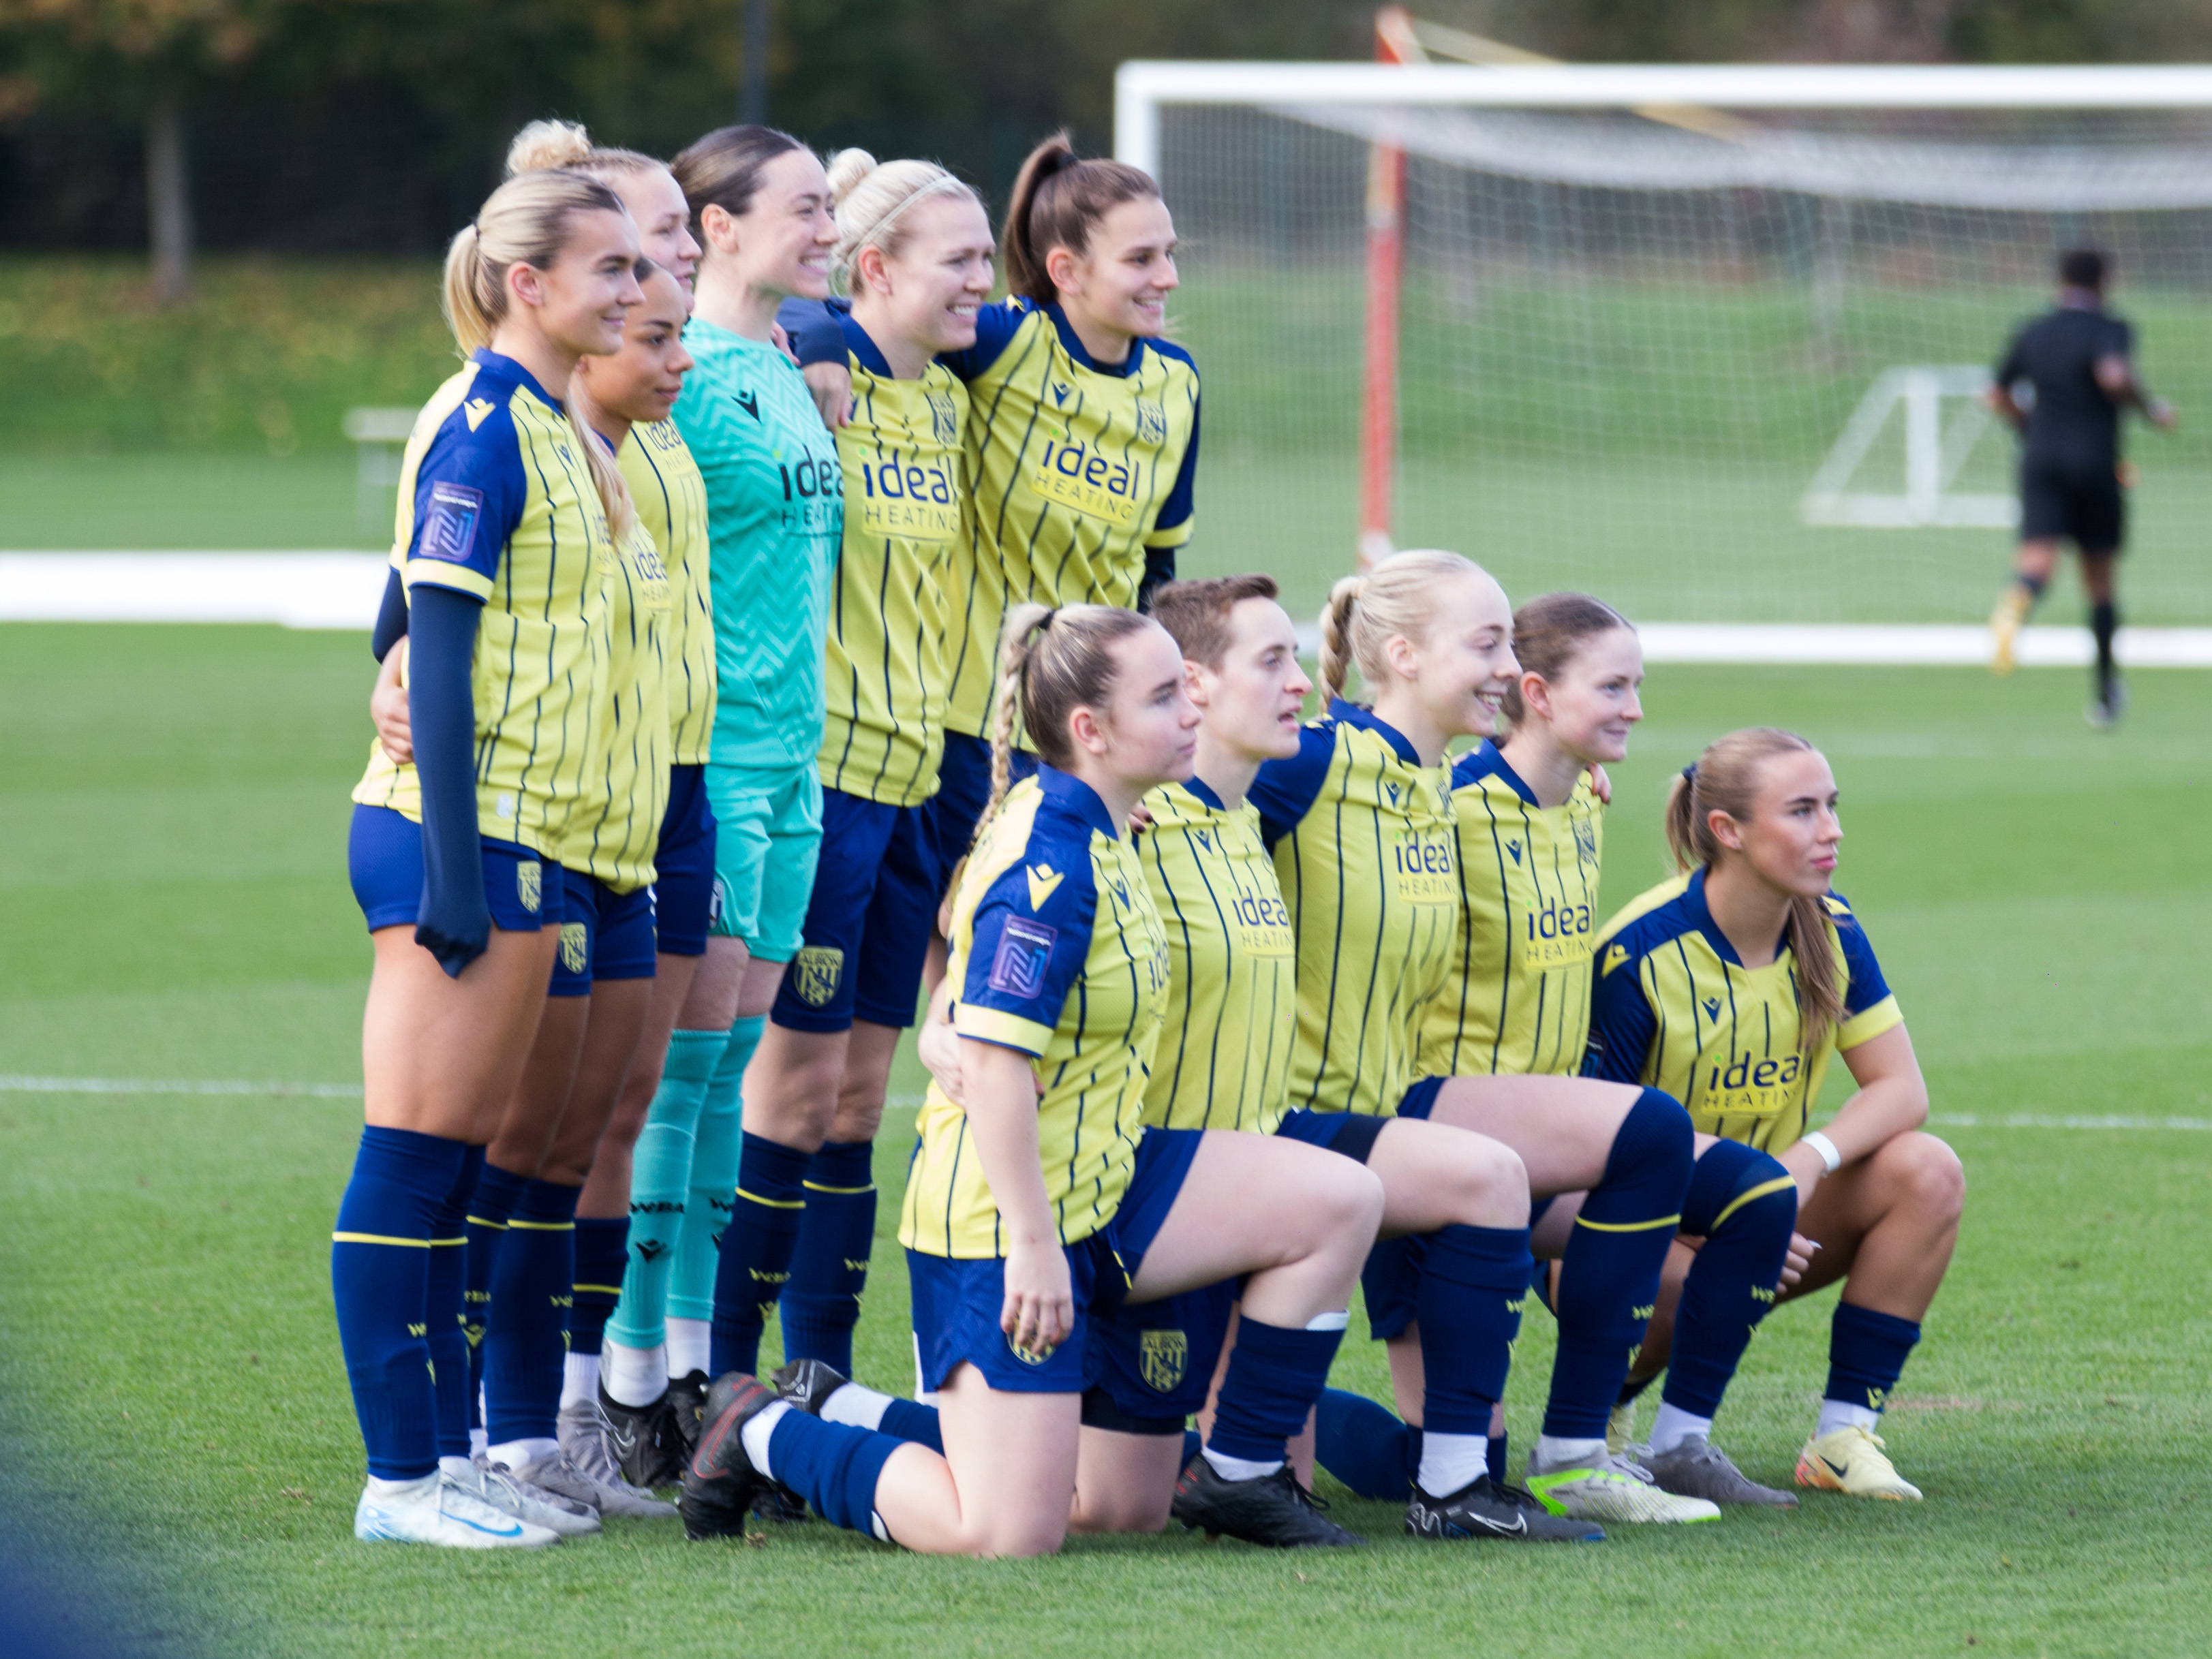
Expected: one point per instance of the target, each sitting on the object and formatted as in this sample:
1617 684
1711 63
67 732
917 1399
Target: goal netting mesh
1712 365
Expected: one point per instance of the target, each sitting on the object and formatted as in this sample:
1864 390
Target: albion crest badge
1164 1356
1586 841
943 418
526 878
1151 421
815 972
575 946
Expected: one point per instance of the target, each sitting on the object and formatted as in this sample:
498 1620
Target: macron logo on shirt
748 401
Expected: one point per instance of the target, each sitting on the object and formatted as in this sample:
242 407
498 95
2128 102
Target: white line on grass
129 1085
342 590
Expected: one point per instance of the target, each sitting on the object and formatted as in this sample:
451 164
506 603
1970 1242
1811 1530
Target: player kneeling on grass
1731 987
1043 1203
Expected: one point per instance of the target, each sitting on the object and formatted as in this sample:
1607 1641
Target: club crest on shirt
575 946
1585 841
1151 421
1018 964
943 418
1164 1356
1043 880
526 879
815 972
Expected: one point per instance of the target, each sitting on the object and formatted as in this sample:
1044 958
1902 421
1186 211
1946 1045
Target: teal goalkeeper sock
713 1178
659 1186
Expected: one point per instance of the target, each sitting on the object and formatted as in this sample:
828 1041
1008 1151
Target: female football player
1082 435
1365 830
1043 1201
1224 1062
508 511
1732 986
914 250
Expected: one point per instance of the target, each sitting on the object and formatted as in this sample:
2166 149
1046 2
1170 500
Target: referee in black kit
2075 362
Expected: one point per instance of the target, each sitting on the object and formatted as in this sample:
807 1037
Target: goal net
1707 342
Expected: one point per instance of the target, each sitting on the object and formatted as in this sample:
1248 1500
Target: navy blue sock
1362 1445
757 1247
489 1206
1744 1205
1275 1376
1867 1351
1609 1275
379 1281
1494 1455
829 1263
833 1466
1193 1443
909 1419
527 1340
602 1258
1474 1281
446 1313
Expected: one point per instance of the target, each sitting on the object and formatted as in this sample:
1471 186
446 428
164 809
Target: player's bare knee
1933 1179
1493 1183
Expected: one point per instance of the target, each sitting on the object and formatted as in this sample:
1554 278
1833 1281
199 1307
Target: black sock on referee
2104 622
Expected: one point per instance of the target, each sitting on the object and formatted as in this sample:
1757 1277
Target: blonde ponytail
1052 663
872 202
1726 778
525 222
1394 600
584 415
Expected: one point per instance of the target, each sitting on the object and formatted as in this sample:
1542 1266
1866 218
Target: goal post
1724 367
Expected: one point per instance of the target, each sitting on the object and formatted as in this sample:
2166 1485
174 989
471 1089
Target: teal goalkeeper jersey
774 520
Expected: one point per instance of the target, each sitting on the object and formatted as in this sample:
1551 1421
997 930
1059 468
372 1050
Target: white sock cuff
687 1347
757 1433
1674 1426
862 1407
580 1379
1330 1322
1241 1468
1846 1414
1449 1461
633 1376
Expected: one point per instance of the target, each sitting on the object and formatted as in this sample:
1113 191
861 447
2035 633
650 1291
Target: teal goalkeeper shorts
767 832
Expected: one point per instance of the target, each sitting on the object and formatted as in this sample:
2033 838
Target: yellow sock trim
772 1203
379 1238
544 1226
603 1289
1628 1226
814 1186
485 1221
1758 1192
436 1241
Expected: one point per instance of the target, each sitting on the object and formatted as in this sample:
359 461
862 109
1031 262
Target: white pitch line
129 1085
134 1085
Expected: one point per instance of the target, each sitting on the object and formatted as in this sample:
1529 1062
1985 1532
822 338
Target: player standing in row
1043 1201
1082 432
914 250
1732 986
1368 841
507 508
2077 362
760 205
1224 1063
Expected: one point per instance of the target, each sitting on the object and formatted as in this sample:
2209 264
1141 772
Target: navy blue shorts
1391 1280
964 790
384 857
1351 1133
683 866
876 883
604 935
1151 1363
957 1301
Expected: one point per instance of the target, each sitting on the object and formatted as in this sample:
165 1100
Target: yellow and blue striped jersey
616 828
1058 953
1364 846
1232 1005
671 503
495 502
1673 1007
905 502
1518 997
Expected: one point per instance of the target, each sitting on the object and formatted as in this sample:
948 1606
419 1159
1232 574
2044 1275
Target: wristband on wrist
1826 1148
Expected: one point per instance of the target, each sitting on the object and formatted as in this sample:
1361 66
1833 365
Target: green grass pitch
173 809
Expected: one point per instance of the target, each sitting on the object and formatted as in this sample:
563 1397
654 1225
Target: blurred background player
1082 431
506 513
1732 986
1042 1200
914 250
2076 361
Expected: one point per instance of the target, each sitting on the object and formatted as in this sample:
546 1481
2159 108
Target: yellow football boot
1620 1428
2005 623
1853 1461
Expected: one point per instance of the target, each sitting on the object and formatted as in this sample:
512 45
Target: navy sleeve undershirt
454 922
391 617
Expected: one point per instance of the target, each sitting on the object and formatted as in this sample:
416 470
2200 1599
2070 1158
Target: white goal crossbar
1143 87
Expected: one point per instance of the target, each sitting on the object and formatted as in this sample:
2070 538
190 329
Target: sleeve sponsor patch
1024 949
449 532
